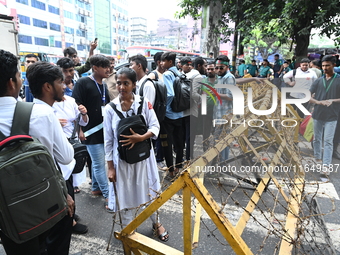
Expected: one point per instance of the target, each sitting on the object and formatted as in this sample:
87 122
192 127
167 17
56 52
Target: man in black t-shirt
326 97
90 92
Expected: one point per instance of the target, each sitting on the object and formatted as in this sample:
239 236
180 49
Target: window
57 44
69 30
23 1
39 5
80 33
69 44
81 47
114 52
114 41
39 23
24 19
25 39
55 27
114 18
68 14
69 1
41 41
80 4
53 9
114 6
80 18
114 30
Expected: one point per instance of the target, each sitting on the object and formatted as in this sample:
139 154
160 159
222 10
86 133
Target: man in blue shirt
171 131
225 110
29 60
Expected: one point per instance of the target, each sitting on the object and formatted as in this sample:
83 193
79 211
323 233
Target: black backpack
32 190
141 150
161 97
80 151
182 88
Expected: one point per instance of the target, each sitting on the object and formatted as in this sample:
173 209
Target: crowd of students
61 98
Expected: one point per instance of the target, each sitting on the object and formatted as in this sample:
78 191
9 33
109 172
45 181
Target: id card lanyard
102 94
330 84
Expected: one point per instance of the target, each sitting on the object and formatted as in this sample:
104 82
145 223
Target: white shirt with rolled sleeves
44 126
52 136
149 90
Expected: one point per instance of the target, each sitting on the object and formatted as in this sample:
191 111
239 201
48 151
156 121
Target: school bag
141 150
32 190
182 88
161 97
80 151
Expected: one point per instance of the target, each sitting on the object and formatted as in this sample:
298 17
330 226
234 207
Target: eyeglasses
219 67
210 69
28 61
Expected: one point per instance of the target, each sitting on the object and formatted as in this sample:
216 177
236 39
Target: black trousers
172 134
35 246
191 128
59 238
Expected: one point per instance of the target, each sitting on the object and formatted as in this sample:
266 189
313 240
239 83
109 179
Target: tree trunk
209 38
301 49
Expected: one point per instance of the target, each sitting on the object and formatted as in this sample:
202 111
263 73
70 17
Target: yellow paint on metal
286 247
187 221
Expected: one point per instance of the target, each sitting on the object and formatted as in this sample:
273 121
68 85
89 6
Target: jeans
327 128
217 131
99 178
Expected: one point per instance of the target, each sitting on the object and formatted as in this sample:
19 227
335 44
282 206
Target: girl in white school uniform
138 183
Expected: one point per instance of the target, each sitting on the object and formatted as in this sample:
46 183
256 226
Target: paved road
92 213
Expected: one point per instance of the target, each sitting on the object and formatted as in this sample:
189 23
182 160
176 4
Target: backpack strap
120 115
142 87
76 126
156 75
21 118
140 108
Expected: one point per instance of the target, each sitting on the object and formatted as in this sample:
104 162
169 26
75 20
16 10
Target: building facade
138 29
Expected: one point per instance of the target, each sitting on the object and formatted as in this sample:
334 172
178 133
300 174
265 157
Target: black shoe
79 229
76 217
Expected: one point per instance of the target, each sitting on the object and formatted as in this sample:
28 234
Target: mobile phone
95 40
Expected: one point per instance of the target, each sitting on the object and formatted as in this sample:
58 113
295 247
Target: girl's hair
130 74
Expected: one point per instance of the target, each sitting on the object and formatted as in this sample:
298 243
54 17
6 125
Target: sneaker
325 171
161 166
79 229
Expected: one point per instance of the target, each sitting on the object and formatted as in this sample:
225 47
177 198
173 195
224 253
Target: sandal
164 236
76 190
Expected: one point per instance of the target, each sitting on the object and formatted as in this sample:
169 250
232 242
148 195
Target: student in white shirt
139 64
46 85
43 125
303 79
67 111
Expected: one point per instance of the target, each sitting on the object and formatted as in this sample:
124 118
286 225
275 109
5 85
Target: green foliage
289 20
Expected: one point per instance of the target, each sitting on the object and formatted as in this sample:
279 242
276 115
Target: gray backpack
32 190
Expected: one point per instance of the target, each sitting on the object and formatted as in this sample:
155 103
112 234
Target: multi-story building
52 25
49 26
120 26
138 29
